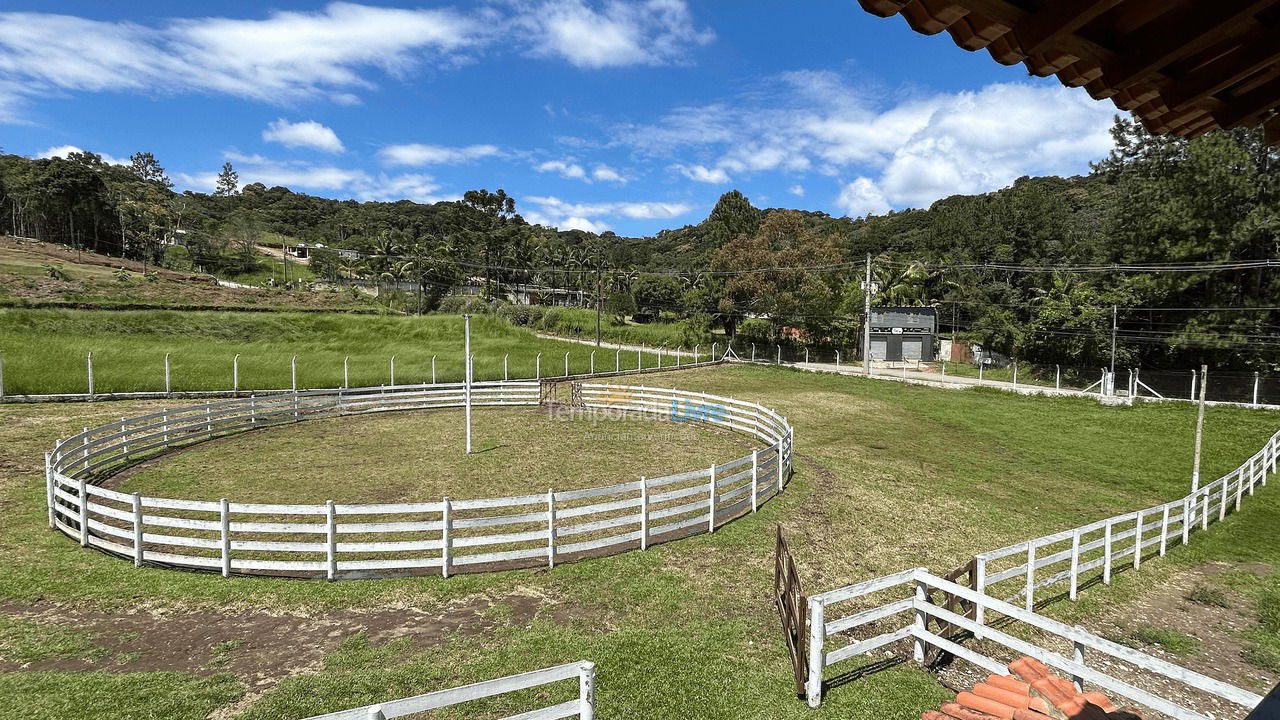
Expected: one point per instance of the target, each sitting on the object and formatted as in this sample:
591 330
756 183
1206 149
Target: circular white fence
341 541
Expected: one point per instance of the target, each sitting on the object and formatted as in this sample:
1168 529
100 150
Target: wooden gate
792 608
966 575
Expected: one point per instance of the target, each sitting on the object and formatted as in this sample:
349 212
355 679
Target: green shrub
1209 596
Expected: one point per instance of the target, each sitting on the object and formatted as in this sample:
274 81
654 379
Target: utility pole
866 321
1113 339
466 362
599 297
1195 469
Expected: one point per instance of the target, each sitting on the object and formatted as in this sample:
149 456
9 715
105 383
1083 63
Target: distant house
302 251
903 334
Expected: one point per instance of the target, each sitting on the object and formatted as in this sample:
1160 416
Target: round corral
106 488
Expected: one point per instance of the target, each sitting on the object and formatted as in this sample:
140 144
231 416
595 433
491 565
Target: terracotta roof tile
1034 694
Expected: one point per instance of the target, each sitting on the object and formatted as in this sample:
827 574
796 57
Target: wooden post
1195 468
376 713
587 691
711 514
1239 488
90 371
695 360
1075 563
917 643
593 362
566 364
644 513
164 418
208 418
617 360
235 374
659 357
1164 529
167 386
1031 576
1057 377
2 375
224 515
980 585
48 486
1106 550
1204 515
84 512
1137 541
393 371
551 528
466 368
505 374
331 540
253 409
446 537
433 369
293 374
1186 520
137 530
638 361
817 657
346 376
753 352
1222 502
755 474
1078 656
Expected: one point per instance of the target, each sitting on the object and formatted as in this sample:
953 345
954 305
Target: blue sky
627 116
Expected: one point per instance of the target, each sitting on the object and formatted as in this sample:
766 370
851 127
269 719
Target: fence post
644 513
617 360
167 387
1255 389
779 348
2 376
917 642
124 438
638 352
346 377
446 536
1193 384
781 458
1239 487
433 369
1075 563
1057 377
208 419
755 474
837 361
293 373
505 374
551 528
711 514
1164 529
224 516
1137 541
48 486
235 374
981 366
980 585
1031 576
331 540
806 354
1015 374
714 347
253 409
817 658
1078 655
1106 553
1204 515
753 352
695 362
593 362
1222 503
137 530
587 691
679 349
660 348
566 364
84 511
90 370
393 371
84 444
375 713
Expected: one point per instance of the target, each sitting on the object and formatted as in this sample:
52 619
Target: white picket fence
1061 557
583 706
914 603
339 540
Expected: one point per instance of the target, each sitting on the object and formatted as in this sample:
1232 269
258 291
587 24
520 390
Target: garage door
912 348
879 349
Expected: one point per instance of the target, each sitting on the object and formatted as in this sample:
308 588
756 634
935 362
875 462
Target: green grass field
45 351
888 476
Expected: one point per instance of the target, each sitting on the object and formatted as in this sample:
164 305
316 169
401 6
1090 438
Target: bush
755 330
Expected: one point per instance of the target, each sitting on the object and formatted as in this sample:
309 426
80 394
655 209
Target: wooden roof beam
1254 102
1271 130
1057 19
1175 34
1224 72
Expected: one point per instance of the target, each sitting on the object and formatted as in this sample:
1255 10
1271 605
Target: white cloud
604 173
617 33
332 180
303 134
912 153
862 197
554 212
564 168
423 154
702 174
64 150
797 190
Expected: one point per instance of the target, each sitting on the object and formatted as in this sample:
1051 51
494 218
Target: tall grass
46 351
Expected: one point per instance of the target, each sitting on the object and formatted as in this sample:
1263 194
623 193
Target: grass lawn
575 322
888 476
45 350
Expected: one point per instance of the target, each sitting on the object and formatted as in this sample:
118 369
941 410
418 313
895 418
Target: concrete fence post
1137 541
1078 656
376 713
551 528
446 536
293 373
617 360
1164 529
49 495
1075 563
224 517
753 352
168 388
644 513
695 362
1256 377
505 374
346 376
638 352
1031 577
137 530
587 691
90 372
433 369
1057 377
331 540
393 371
593 362
755 476
817 656
1193 384
235 374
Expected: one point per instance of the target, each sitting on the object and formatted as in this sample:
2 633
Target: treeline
1002 268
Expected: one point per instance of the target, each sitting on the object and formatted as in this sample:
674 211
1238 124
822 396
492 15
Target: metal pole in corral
90 375
638 355
566 364
167 386
1195 469
695 354
466 361
433 369
505 375
617 360
346 377
393 370
537 367
659 356
235 374
593 362
293 372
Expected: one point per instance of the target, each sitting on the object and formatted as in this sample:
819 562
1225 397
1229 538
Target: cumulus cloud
702 174
332 180
912 153
309 134
614 33
62 151
564 168
554 212
424 154
797 190
604 173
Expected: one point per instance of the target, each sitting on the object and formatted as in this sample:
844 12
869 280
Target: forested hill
1004 267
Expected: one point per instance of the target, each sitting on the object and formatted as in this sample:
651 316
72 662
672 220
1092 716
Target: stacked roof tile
1031 693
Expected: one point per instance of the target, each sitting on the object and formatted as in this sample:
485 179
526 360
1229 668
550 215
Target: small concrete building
903 334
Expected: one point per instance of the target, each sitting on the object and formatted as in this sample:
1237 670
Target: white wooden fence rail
917 583
583 706
342 540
